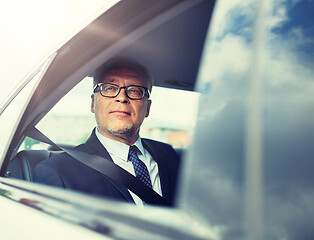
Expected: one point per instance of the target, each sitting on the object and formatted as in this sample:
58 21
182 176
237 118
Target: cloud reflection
288 121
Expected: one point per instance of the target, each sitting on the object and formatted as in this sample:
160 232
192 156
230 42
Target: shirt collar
139 145
118 148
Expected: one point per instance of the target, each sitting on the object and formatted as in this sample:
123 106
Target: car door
159 33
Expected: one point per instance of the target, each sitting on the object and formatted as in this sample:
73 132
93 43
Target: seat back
23 164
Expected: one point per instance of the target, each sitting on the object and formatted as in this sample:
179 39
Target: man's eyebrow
109 80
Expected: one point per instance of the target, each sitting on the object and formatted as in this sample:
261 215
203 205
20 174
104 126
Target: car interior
162 37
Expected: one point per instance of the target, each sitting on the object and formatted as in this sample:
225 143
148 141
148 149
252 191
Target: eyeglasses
112 90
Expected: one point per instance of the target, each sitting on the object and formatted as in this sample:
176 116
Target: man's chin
125 132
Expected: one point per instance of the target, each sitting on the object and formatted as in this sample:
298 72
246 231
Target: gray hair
123 62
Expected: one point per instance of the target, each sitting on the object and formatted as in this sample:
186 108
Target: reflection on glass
217 170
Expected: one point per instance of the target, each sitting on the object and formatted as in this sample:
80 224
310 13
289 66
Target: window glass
12 114
70 121
250 170
172 117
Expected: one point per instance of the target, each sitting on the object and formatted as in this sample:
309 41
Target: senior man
120 103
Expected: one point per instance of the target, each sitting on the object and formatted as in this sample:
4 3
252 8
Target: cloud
216 56
224 14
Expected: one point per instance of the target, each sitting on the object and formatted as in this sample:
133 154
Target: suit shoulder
57 158
156 143
161 147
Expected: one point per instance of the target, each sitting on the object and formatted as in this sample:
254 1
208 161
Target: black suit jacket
64 171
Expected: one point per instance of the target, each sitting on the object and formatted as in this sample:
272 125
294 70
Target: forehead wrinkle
124 73
111 76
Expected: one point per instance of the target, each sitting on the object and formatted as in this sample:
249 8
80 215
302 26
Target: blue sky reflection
288 121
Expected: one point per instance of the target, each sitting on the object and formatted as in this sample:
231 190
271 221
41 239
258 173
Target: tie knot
133 150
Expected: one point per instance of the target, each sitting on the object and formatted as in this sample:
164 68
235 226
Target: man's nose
122 97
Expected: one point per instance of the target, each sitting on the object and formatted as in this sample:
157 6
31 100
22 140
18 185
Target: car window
12 109
253 144
172 117
8 120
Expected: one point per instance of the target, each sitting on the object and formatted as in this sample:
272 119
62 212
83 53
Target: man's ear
148 108
92 109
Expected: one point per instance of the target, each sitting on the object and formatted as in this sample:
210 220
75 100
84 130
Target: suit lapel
162 168
94 146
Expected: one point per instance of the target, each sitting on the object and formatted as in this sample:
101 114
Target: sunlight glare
34 29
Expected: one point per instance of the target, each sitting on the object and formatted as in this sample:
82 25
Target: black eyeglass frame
97 89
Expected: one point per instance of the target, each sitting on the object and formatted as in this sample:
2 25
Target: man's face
120 118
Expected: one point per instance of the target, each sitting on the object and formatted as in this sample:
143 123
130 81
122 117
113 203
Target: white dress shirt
119 153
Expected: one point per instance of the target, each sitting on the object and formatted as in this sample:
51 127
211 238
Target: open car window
172 117
159 34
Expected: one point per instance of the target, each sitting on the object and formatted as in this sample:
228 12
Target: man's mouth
122 113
